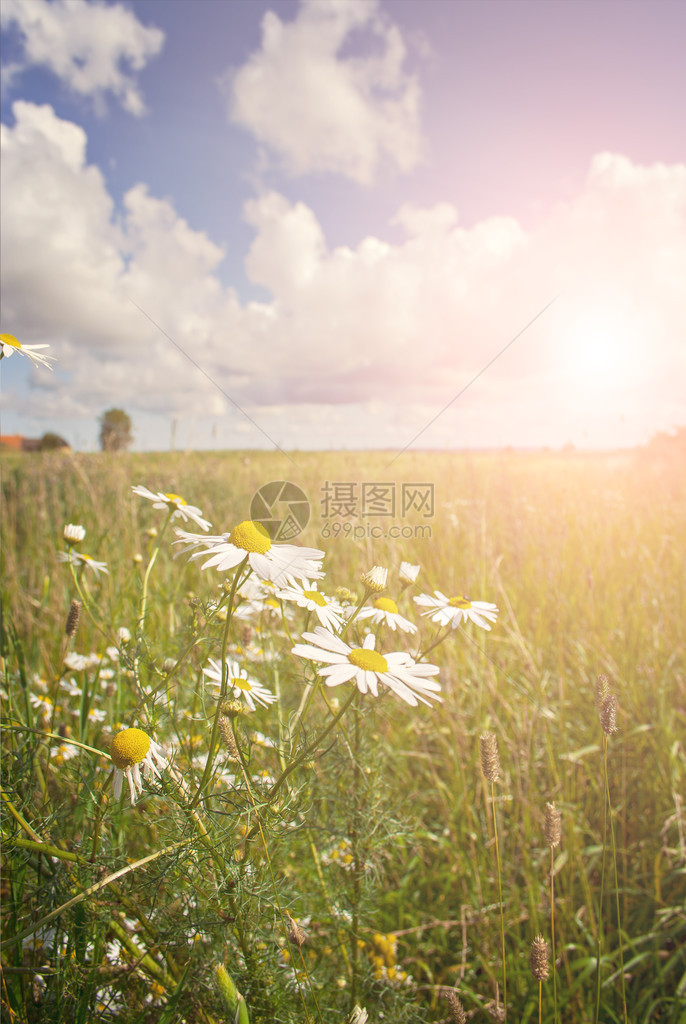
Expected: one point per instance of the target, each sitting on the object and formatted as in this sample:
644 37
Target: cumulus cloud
94 49
329 91
393 330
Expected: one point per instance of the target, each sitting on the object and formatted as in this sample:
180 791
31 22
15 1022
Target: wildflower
385 611
375 580
283 564
63 752
160 499
408 573
131 749
240 684
367 667
445 610
306 595
358 1015
79 559
9 345
73 534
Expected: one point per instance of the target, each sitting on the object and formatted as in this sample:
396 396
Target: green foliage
368 830
115 431
51 442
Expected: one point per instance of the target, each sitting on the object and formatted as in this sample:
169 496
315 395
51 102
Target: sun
603 349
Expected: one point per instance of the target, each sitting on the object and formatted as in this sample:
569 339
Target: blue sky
340 212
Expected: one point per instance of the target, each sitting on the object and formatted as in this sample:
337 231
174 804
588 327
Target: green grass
584 556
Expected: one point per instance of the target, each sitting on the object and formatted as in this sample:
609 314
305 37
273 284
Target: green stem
602 888
225 683
614 860
500 896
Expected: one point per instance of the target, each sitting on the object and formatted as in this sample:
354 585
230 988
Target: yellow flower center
129 747
251 537
370 661
175 499
9 339
314 595
271 602
385 604
242 684
460 602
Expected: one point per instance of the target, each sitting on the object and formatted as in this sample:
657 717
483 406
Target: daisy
283 564
73 534
9 345
160 499
131 749
240 684
455 610
306 595
367 667
79 559
385 611
376 579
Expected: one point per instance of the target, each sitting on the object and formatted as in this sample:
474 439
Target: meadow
514 851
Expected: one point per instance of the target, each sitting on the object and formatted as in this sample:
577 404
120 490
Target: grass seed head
490 760
538 959
73 619
602 689
608 714
552 829
457 1010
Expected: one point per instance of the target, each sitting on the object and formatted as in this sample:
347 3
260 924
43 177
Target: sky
348 224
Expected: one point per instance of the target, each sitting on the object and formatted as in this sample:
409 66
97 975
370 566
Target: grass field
334 848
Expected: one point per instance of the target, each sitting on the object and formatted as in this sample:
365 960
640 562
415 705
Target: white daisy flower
240 685
306 595
385 611
63 752
131 750
367 667
9 345
79 559
454 610
73 533
160 499
283 564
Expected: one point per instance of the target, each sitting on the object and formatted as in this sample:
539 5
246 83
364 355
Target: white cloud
322 109
94 48
404 326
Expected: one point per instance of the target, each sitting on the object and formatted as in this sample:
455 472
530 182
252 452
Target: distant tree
51 442
115 431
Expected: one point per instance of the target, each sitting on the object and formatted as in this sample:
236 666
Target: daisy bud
408 573
73 619
538 959
490 761
73 534
552 830
375 580
608 714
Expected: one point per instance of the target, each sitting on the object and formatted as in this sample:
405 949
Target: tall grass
377 849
